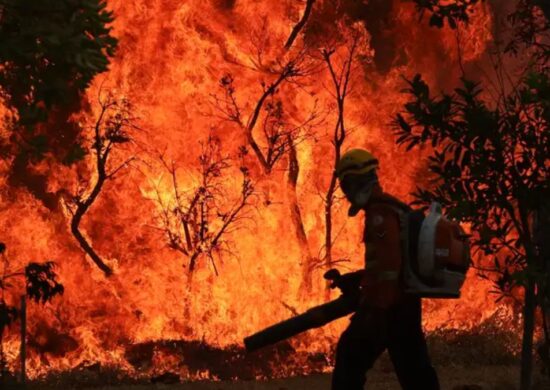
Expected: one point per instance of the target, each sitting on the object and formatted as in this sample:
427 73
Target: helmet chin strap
361 198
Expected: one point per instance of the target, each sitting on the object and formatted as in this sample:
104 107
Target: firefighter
386 318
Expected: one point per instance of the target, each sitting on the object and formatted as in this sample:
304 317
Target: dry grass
382 377
464 361
486 378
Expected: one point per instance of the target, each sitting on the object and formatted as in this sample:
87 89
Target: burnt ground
381 378
452 378
482 360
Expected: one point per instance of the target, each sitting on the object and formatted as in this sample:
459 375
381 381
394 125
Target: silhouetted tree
300 25
266 118
112 128
272 136
50 51
41 285
341 74
196 223
440 11
491 171
491 157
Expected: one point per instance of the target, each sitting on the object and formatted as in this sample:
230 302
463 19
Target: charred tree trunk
533 268
542 240
3 362
297 221
110 130
191 271
541 237
329 201
23 347
341 89
339 136
300 25
187 296
528 331
81 209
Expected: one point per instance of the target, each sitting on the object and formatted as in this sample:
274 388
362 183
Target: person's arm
348 283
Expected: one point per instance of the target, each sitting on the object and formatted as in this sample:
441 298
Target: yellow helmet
355 161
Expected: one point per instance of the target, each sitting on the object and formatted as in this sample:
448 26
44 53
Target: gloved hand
349 283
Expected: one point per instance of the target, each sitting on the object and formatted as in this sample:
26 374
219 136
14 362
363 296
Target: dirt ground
464 361
382 378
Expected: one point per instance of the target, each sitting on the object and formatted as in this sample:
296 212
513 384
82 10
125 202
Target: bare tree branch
300 25
197 224
274 127
110 129
271 134
340 80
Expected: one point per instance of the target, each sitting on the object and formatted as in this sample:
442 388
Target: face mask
360 198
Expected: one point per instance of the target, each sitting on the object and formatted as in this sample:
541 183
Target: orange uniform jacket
383 258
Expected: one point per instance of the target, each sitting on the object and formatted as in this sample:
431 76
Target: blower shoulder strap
403 211
396 204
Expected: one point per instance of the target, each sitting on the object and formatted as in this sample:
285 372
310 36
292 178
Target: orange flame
172 55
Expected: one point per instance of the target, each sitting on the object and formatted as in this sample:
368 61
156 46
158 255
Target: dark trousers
370 332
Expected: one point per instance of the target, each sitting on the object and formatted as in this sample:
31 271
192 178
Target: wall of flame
172 55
